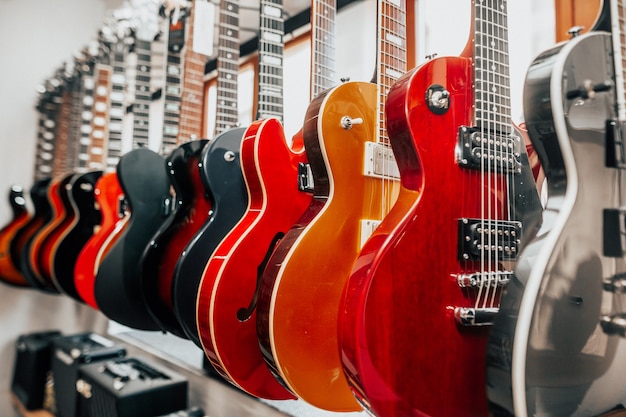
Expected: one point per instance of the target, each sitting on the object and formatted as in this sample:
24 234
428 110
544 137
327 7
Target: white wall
35 37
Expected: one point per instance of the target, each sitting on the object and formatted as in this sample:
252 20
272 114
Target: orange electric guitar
355 184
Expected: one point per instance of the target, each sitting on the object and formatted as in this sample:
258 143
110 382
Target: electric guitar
221 178
183 123
9 272
145 184
557 347
108 194
355 184
272 169
435 266
15 234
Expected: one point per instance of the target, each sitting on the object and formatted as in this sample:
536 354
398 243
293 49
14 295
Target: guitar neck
227 114
171 115
491 67
82 120
618 19
117 104
143 96
192 95
59 165
323 14
391 62
49 107
100 120
270 79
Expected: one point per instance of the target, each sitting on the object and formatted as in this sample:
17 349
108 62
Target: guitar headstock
145 19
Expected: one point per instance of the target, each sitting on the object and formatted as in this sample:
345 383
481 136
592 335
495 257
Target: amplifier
129 387
68 354
31 368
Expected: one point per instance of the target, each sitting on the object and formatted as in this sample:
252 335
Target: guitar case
82 200
143 178
220 170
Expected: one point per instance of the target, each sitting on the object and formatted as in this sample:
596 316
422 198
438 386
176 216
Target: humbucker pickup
488 239
494 152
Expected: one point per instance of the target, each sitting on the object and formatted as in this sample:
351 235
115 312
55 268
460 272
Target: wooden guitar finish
82 221
228 289
144 181
221 175
19 246
557 348
419 276
109 198
302 283
191 210
9 271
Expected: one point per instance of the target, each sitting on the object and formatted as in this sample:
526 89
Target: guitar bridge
475 316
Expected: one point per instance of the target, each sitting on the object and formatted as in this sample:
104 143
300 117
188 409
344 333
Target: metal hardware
484 279
614 325
380 161
305 177
489 150
367 228
475 316
347 122
495 239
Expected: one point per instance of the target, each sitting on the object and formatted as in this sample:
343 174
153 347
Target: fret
227 67
618 20
323 46
99 123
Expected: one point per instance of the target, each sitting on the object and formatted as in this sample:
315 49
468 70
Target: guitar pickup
490 239
380 161
615 149
489 150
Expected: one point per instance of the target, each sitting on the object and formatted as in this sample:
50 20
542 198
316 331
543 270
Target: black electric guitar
221 176
555 348
190 210
146 188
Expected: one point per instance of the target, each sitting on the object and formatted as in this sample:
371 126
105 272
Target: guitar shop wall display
392 256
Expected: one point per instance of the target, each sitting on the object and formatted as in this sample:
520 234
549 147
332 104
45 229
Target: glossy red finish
402 350
230 279
108 193
9 272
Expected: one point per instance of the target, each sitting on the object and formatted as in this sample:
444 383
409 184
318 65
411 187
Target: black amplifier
31 368
68 354
129 387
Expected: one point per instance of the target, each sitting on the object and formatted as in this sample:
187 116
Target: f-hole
244 314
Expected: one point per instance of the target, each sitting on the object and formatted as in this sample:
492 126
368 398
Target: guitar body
228 290
191 210
19 246
146 185
220 170
303 281
548 353
80 225
108 195
9 271
38 250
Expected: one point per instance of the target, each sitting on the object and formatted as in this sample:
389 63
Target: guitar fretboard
491 66
86 101
270 80
171 114
117 108
227 114
143 96
618 20
192 95
100 120
59 164
48 107
391 54
323 45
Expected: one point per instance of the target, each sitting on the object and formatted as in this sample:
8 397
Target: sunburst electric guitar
355 183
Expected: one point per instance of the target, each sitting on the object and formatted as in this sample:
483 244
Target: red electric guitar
272 169
418 306
107 192
355 184
9 272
